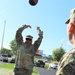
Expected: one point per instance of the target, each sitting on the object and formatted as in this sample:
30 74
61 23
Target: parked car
11 59
54 65
5 57
39 63
1 57
46 61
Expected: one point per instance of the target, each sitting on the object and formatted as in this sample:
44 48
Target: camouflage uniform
66 64
25 53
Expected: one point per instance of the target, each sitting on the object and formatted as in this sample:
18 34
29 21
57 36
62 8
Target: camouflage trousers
22 71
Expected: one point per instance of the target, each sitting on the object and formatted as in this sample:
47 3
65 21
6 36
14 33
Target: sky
49 15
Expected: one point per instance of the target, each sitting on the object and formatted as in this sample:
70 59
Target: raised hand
26 26
38 28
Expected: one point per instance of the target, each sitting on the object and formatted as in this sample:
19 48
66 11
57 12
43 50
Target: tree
58 53
50 57
13 46
6 51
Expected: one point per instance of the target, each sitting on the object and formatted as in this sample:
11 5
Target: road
2 62
45 71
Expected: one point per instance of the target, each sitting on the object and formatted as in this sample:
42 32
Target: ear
67 21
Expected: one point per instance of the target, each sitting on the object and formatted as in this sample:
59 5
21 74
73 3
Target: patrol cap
72 15
29 37
67 21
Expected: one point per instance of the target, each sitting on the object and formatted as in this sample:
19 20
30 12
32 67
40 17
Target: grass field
7 69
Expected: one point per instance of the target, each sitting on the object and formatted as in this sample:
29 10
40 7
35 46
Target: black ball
33 2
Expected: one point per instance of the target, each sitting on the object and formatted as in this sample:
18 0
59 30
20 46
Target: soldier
71 27
26 51
66 64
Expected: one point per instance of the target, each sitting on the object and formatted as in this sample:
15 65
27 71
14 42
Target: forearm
19 38
39 39
40 36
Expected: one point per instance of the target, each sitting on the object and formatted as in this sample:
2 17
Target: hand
39 31
38 28
26 26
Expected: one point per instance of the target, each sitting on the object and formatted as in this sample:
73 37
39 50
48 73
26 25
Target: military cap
29 37
72 15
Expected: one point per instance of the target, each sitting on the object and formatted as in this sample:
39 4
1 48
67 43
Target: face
28 41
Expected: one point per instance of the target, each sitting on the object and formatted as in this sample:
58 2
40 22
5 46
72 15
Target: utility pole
3 35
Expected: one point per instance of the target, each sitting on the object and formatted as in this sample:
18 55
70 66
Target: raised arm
39 39
19 38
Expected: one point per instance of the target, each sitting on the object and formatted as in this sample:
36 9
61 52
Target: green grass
11 67
35 71
8 66
46 65
35 59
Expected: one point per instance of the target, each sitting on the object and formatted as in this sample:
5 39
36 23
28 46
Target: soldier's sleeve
19 38
39 40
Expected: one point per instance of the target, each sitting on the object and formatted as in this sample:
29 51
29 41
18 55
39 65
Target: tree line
56 54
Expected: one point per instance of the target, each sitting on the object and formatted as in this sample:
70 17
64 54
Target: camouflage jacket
66 64
25 52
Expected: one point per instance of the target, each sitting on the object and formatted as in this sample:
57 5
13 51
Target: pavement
45 71
4 71
2 63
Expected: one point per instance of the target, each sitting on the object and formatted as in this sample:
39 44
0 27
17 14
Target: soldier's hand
38 28
26 26
40 33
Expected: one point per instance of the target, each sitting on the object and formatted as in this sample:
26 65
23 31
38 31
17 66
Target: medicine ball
33 2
